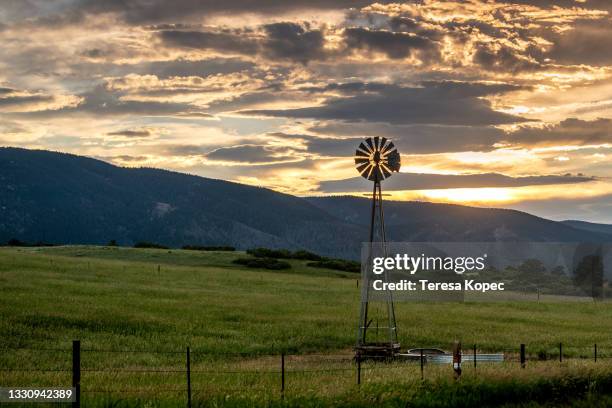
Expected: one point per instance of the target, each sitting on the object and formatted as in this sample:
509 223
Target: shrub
208 248
112 243
264 263
13 242
16 243
270 253
306 256
284 254
337 264
145 244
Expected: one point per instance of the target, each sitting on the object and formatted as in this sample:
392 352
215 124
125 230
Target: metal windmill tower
376 159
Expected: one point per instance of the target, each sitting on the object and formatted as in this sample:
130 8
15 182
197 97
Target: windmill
376 159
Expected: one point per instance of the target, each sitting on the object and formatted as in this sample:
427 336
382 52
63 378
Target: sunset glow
278 95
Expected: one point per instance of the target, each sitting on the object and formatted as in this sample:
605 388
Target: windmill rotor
377 159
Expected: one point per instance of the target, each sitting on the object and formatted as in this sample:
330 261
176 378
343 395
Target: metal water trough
438 356
467 358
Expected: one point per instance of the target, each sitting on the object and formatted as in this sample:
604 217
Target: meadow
136 310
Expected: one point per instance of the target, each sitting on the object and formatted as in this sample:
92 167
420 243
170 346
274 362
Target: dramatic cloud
487 96
447 103
103 102
285 40
411 181
569 131
251 154
133 133
12 100
394 44
586 43
411 139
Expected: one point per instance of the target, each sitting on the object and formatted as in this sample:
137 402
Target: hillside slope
62 198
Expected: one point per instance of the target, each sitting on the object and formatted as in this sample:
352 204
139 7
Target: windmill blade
364 148
390 146
385 170
383 141
361 154
362 167
376 140
369 142
359 160
370 172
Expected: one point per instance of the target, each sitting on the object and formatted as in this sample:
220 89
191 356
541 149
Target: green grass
163 300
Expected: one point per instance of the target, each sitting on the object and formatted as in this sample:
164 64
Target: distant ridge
589 226
63 198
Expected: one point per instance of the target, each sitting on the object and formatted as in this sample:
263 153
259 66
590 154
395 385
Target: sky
495 104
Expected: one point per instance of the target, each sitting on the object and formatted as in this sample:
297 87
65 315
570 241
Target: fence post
282 375
560 352
188 378
522 356
474 356
595 351
457 359
422 373
76 372
358 370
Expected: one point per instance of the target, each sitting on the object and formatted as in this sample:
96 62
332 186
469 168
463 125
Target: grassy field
121 299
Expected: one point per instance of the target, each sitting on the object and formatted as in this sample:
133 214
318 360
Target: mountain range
67 199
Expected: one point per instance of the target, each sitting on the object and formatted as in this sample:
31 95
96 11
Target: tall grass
116 299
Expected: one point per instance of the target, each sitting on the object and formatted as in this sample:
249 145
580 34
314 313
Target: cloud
504 58
294 42
395 45
284 40
411 139
132 133
13 100
586 43
414 181
102 101
155 11
181 67
568 131
252 154
447 103
236 42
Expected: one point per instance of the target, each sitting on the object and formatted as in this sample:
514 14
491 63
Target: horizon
503 105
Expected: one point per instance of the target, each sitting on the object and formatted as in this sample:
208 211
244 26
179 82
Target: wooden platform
377 351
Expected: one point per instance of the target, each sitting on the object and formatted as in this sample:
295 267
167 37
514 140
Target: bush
112 243
306 256
270 253
145 244
264 263
208 248
337 264
284 254
13 242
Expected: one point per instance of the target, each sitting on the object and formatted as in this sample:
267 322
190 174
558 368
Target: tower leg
390 346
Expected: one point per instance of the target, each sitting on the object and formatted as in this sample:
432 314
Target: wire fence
190 372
